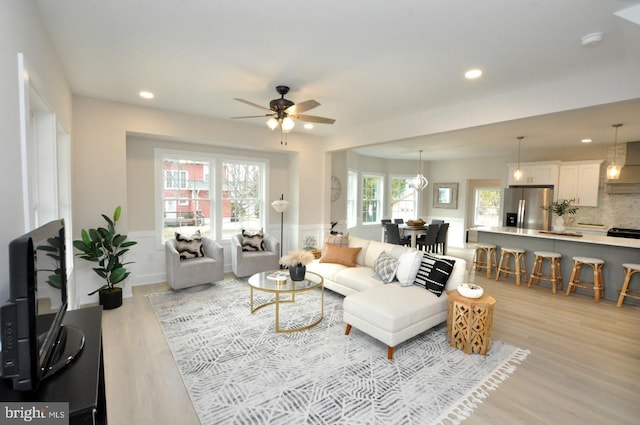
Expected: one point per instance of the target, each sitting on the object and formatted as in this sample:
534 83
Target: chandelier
420 181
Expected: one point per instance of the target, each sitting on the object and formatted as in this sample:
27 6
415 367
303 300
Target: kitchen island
614 251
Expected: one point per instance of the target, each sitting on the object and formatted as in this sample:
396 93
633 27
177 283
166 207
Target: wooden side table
470 322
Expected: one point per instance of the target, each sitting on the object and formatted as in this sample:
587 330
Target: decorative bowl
416 223
470 290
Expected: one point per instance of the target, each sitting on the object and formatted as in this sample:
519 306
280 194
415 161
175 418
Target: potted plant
561 207
296 261
106 247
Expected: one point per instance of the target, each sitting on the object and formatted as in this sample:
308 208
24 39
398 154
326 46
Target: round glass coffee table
279 283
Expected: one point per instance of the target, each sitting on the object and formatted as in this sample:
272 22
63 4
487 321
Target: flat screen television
35 343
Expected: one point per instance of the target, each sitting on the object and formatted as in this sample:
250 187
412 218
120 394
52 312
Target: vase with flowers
296 261
560 208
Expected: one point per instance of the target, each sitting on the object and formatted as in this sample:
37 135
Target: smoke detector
591 40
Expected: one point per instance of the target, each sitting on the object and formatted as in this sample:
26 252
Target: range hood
629 181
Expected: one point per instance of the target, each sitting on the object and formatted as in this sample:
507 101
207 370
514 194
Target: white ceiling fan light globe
272 123
287 124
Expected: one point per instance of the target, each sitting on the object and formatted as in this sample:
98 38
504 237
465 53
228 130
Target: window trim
352 198
416 193
215 184
381 201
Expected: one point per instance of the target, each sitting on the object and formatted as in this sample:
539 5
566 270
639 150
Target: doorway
483 205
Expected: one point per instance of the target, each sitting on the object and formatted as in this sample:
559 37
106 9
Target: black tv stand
68 347
80 383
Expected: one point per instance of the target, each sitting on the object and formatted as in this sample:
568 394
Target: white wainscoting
148 257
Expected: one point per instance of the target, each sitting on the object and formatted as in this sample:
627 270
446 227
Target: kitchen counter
569 236
614 251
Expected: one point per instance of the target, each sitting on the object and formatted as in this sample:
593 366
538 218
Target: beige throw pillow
337 240
340 255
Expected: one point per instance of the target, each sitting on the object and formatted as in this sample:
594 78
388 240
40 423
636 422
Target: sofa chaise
390 312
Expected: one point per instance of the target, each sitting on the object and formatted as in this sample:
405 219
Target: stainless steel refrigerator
522 207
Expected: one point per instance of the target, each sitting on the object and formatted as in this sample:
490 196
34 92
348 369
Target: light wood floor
584 366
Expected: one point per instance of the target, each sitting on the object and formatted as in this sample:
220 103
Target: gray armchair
246 263
194 271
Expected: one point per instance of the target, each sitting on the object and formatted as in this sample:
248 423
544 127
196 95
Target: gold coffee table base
261 283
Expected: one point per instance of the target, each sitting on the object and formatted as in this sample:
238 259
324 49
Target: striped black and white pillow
434 273
189 247
253 241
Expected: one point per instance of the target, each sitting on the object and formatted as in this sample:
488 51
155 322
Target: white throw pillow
408 266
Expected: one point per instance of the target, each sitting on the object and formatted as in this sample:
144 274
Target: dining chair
393 235
441 239
427 242
383 222
398 221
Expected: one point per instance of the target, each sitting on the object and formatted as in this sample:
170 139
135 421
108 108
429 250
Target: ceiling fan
282 111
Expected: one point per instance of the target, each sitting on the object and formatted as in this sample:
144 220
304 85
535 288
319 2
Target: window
372 189
487 206
352 199
175 179
216 195
243 196
403 198
186 200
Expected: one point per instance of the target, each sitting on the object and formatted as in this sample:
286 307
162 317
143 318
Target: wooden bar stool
596 285
555 275
629 270
489 262
518 269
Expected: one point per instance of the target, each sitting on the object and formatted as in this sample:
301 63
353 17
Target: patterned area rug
237 370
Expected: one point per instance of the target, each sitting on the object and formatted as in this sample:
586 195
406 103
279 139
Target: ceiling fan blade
312 118
302 107
255 105
253 116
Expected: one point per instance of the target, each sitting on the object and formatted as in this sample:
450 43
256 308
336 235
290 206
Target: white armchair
246 263
194 271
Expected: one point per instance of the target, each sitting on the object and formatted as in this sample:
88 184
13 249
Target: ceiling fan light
287 124
272 123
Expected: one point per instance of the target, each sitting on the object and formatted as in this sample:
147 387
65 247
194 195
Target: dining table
413 231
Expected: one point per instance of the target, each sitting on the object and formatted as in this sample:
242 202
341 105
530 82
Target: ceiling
369 62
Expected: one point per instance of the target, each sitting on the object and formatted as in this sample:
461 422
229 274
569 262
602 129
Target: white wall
21 30
101 180
613 209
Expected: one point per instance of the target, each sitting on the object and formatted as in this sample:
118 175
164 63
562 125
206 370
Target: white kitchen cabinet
535 173
579 180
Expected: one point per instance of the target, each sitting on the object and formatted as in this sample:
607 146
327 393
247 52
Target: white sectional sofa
393 312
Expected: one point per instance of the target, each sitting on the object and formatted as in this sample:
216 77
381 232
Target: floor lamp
280 206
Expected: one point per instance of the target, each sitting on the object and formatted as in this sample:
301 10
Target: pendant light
517 173
420 181
613 170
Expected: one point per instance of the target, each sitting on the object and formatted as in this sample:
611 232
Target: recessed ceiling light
472 74
147 95
586 140
592 40
308 126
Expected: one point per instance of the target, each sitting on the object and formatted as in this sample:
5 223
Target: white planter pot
559 226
